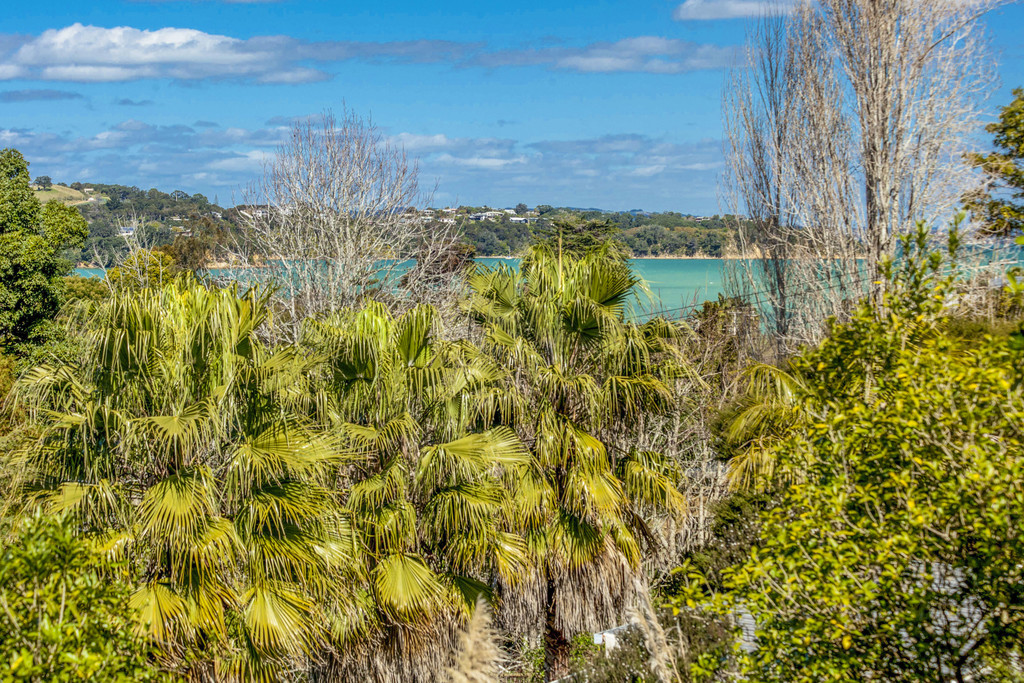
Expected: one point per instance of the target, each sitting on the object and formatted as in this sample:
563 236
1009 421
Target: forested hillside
644 234
162 217
159 217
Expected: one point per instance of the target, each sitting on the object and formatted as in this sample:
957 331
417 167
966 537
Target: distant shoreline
643 258
224 264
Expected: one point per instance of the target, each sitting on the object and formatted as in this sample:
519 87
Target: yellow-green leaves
406 589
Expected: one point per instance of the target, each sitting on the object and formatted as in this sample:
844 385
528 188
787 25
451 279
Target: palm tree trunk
556 645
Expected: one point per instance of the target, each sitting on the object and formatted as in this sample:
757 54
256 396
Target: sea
676 285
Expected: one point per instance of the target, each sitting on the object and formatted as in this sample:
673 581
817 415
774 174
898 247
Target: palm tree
182 442
770 409
430 490
585 376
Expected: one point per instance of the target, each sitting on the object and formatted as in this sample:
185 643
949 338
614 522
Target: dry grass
479 656
60 193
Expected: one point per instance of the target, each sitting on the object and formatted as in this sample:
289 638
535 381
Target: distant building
257 212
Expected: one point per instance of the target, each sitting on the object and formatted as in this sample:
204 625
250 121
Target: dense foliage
62 617
180 439
586 378
354 495
643 234
32 269
894 551
1000 205
189 224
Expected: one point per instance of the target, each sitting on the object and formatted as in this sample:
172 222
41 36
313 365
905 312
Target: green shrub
62 617
895 551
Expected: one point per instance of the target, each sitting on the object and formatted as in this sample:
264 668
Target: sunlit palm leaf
277 618
162 614
407 589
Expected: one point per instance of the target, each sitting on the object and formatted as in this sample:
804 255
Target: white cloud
610 171
602 171
92 54
729 9
9 72
419 143
250 163
647 171
485 162
96 54
640 54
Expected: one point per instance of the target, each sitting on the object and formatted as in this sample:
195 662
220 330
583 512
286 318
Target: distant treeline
645 234
166 217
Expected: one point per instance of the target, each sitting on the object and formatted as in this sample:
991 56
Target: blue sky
608 104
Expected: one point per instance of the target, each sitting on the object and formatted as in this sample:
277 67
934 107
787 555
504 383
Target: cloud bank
642 54
38 95
92 54
205 157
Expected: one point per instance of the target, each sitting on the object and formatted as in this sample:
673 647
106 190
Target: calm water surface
674 283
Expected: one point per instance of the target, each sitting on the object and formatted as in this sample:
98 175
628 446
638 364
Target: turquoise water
674 283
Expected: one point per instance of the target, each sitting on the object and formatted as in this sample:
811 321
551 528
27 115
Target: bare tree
333 220
756 112
844 130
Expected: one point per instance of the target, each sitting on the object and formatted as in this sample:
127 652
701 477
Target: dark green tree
32 269
19 209
999 205
576 237
44 181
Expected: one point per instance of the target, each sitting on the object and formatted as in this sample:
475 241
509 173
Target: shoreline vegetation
123 217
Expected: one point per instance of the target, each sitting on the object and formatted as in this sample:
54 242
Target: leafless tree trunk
844 130
756 111
333 220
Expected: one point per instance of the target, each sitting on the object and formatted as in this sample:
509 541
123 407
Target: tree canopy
32 269
1000 204
64 616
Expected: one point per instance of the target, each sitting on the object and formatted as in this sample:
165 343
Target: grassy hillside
62 193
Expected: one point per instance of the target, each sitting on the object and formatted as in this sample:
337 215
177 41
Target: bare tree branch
333 220
844 129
